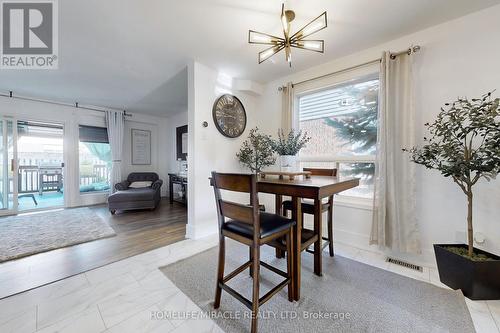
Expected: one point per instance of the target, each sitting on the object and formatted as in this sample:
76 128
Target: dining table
316 188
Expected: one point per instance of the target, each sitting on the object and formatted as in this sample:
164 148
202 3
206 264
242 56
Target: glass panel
10 167
311 45
95 167
93 134
341 121
312 27
268 53
6 158
40 170
255 37
364 171
3 168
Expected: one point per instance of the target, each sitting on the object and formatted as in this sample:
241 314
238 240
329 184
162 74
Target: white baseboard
201 230
362 241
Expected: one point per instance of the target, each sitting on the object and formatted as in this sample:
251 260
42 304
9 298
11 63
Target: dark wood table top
316 187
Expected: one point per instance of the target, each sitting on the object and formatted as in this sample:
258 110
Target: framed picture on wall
182 142
141 147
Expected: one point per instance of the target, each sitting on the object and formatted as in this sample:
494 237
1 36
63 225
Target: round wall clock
229 116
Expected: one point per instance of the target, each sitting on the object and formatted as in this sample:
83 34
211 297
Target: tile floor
122 296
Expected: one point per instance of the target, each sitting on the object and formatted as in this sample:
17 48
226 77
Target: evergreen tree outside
358 129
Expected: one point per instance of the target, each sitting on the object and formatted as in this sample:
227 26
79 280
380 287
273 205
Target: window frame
367 72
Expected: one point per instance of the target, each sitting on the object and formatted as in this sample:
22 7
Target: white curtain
115 122
287 105
394 222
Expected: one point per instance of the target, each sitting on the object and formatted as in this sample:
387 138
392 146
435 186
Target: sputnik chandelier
296 40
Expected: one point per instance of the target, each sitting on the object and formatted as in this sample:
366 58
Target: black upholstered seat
269 224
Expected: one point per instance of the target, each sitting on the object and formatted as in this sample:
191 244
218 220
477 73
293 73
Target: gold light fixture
296 40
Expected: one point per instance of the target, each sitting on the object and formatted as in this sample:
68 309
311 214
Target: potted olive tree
464 145
288 146
256 152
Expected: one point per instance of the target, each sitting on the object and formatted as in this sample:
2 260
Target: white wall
71 117
208 149
160 139
458 58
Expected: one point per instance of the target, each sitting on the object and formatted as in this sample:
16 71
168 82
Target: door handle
62 165
12 165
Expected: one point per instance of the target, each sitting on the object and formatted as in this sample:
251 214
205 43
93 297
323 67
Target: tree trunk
470 231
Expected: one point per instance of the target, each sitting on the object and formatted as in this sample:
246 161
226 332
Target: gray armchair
127 198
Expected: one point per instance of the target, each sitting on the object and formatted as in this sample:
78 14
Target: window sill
353 202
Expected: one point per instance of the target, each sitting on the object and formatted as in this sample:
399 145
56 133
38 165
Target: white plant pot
288 163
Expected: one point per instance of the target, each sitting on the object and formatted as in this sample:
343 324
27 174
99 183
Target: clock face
229 116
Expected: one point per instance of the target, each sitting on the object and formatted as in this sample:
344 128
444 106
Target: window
342 123
95 159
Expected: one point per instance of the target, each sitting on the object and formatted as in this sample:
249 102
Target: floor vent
404 264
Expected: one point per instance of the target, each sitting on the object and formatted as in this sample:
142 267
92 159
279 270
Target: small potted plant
256 152
288 146
464 145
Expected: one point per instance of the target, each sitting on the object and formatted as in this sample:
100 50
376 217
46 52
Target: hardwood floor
137 232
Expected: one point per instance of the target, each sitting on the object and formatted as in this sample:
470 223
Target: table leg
318 262
278 204
330 226
278 209
296 243
170 190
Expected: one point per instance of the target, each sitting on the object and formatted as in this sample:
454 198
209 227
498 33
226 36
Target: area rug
349 297
24 235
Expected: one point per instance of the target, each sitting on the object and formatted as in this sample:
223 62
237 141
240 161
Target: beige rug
25 235
349 297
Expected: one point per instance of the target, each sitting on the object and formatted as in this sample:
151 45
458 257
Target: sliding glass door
40 167
31 166
8 154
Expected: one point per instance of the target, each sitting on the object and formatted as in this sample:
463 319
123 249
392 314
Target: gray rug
349 297
24 235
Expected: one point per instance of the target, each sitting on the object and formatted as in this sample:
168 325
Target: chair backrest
142 176
227 209
322 172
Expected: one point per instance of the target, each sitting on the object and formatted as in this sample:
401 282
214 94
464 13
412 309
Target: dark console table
177 188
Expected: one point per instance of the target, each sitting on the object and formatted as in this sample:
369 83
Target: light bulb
261 38
311 45
315 45
268 53
314 26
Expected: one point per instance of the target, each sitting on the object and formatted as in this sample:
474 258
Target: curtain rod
410 50
76 105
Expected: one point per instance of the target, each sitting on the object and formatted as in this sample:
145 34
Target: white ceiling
132 55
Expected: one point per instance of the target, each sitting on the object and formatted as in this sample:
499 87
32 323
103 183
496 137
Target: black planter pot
479 280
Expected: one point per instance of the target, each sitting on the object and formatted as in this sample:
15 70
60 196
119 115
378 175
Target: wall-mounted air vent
404 264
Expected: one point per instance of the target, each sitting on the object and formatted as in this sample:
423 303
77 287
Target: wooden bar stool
247 224
308 208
